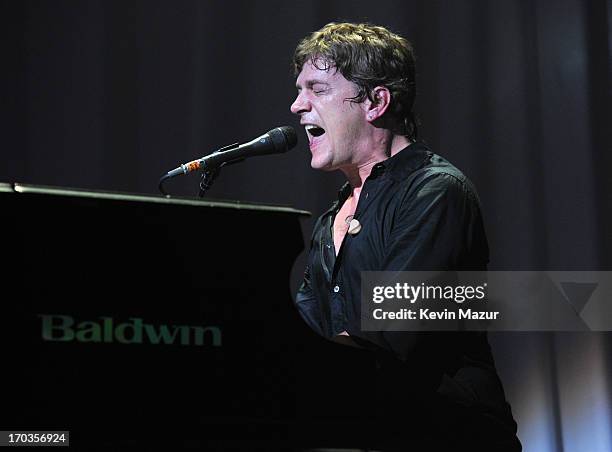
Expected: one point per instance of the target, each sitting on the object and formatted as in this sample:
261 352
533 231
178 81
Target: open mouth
314 131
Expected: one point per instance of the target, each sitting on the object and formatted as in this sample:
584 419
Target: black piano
143 322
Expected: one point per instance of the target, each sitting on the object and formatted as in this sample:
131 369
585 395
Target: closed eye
319 88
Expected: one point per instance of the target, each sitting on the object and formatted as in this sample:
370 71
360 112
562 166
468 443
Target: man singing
403 208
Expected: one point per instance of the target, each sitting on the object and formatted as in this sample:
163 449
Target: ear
381 100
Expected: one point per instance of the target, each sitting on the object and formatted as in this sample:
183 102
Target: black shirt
418 212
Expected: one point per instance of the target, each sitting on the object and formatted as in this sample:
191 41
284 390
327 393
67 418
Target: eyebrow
311 83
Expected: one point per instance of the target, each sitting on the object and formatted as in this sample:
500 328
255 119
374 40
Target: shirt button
336 289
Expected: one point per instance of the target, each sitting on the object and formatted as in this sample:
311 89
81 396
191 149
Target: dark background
112 94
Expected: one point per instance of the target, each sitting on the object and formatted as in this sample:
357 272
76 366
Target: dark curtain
112 94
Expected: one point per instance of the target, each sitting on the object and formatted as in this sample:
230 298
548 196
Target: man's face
334 125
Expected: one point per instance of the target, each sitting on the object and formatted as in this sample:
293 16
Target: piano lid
147 198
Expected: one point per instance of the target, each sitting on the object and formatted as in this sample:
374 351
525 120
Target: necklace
353 225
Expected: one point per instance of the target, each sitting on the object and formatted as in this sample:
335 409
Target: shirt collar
406 161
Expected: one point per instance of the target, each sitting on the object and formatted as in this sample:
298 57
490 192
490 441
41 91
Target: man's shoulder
441 173
418 159
435 174
439 165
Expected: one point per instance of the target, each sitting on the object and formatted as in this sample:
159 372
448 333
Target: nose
300 104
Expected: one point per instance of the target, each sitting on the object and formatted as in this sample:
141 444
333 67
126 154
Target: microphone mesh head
290 135
283 138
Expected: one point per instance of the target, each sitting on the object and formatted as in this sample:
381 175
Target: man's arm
437 227
307 304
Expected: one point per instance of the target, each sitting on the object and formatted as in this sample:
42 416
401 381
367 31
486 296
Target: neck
378 152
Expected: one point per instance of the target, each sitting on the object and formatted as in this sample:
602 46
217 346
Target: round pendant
354 227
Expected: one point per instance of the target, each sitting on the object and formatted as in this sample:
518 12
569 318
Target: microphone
276 141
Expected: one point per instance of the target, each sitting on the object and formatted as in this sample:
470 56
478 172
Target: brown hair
369 56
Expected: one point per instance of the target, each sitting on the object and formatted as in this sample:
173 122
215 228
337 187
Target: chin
317 166
322 159
321 165
316 162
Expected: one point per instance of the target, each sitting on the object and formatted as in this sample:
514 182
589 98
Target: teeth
309 127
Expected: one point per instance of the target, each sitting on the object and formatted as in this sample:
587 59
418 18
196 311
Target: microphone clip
207 179
209 176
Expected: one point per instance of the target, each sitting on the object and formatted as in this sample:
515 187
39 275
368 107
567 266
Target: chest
341 224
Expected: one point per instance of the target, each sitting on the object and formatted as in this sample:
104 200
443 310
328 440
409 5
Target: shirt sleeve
305 300
436 227
307 304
